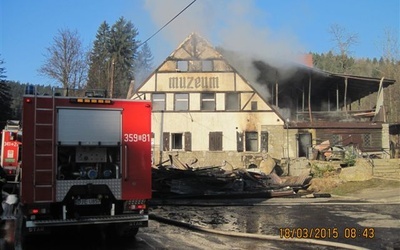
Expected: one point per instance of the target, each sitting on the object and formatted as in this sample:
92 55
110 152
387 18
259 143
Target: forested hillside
390 69
17 90
327 62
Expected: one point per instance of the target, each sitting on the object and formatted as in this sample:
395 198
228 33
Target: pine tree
123 47
112 60
143 64
5 97
99 71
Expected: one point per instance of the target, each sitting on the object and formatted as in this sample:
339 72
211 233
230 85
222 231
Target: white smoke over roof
234 25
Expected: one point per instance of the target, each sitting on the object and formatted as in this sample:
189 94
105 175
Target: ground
374 189
371 203
353 182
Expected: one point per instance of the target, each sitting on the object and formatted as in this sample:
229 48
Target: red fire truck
10 148
85 161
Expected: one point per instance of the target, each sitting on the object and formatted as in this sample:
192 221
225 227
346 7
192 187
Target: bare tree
390 68
390 49
66 61
343 42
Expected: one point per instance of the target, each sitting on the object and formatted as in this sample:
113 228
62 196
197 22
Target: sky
263 28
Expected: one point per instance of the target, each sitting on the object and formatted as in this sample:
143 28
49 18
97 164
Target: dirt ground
374 190
255 219
355 182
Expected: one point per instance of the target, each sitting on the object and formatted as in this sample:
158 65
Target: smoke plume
234 25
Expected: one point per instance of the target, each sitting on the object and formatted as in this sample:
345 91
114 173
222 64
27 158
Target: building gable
195 66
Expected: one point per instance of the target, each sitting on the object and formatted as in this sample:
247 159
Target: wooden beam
345 94
309 98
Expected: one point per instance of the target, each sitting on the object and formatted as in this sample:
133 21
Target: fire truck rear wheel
121 231
130 233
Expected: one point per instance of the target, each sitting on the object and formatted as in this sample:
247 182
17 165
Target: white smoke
234 25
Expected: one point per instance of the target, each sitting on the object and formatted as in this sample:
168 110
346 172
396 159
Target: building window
194 66
254 105
207 65
181 102
182 65
215 141
176 141
251 141
336 139
158 102
367 138
231 101
208 101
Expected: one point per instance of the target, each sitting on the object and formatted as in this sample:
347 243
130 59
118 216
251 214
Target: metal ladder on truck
43 164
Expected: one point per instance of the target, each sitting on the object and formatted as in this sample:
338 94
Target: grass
354 186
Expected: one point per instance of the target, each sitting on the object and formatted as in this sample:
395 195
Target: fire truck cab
10 148
86 160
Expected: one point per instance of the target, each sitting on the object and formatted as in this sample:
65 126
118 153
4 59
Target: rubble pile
180 180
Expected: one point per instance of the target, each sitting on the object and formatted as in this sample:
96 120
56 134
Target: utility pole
287 144
112 77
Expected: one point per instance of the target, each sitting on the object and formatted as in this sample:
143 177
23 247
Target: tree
112 60
327 62
66 60
143 63
122 49
344 41
99 73
389 67
5 96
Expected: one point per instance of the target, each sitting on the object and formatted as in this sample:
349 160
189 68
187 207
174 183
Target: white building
204 109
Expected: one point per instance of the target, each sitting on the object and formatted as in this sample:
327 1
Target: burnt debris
179 180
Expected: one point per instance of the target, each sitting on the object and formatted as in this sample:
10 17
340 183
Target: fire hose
253 236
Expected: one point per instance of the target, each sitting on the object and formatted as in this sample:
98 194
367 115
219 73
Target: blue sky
255 27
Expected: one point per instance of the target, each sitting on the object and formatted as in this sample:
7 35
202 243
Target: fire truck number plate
83 202
136 137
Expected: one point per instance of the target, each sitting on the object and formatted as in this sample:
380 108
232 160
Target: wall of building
365 139
200 126
195 68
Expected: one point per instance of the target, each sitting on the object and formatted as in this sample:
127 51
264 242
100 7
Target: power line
165 25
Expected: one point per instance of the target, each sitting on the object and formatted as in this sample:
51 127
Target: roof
322 82
294 79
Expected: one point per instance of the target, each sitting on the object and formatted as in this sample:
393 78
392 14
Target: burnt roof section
296 76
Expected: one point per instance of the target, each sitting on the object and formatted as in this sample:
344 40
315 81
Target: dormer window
207 65
182 66
254 106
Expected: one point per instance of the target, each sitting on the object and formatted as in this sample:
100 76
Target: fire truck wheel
5 245
131 232
121 231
